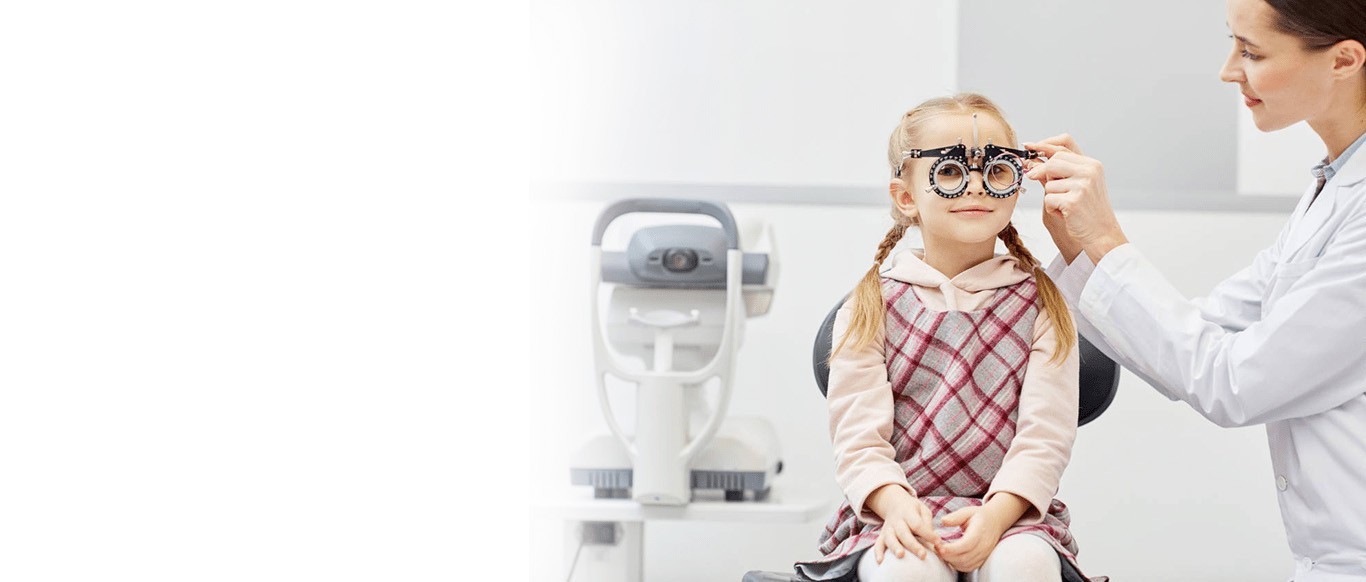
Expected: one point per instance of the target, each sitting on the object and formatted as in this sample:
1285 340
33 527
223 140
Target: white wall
754 92
1155 490
1276 163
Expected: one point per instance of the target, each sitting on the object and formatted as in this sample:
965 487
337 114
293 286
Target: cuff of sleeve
1039 499
869 482
1074 277
1055 268
1106 279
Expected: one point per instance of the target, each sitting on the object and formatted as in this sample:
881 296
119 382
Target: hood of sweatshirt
909 266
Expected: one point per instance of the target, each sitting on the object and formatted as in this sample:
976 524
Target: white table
622 561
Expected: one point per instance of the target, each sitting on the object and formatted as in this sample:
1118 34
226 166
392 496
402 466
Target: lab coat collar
1352 173
1309 218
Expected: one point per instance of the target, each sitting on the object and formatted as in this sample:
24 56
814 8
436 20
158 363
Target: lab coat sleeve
1045 428
1071 280
860 399
1302 358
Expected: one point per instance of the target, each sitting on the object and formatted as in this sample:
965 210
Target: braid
1011 238
1053 301
867 296
888 243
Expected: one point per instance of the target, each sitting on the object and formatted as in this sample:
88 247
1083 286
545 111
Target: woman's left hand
982 529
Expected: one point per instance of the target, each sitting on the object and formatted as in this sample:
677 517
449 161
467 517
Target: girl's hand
1077 209
982 529
907 524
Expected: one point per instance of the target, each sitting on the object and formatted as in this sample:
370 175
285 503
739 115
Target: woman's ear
1349 56
901 197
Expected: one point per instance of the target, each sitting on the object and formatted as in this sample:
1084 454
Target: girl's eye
949 171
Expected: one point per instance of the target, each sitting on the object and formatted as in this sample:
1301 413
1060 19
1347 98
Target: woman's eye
1249 56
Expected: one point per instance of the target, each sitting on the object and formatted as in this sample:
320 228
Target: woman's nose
1232 72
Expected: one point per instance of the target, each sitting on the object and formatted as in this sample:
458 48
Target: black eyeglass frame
958 155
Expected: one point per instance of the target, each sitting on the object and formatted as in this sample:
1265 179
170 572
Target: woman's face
973 217
1282 83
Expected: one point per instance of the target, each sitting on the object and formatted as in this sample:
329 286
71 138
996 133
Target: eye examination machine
671 321
673 283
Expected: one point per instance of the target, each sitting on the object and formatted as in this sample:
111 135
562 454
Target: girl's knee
907 569
1022 558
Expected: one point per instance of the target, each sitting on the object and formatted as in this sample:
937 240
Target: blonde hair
868 307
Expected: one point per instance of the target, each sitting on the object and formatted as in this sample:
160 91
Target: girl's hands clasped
908 524
982 530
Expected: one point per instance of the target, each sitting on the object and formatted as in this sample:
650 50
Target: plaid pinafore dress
956 379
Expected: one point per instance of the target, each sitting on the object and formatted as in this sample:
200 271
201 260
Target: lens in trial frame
949 177
1003 176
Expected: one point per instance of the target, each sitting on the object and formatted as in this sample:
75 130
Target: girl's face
1282 83
972 218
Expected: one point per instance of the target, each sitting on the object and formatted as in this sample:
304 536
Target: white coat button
1281 483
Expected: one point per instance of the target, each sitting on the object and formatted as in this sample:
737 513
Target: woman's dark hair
1321 23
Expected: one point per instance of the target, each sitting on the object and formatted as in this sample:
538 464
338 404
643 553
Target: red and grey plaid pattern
956 377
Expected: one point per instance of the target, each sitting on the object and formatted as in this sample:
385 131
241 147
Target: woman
1283 342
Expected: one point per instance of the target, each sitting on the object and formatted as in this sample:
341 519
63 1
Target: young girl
953 382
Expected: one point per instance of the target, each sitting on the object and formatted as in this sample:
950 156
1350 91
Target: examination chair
1099 382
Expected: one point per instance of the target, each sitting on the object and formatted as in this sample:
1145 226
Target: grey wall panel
1135 82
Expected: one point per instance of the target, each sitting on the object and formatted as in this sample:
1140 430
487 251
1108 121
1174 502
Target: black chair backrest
1099 374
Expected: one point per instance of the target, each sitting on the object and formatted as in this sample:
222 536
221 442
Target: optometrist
1282 342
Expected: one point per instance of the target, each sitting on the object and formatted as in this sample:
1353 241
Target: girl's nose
975 184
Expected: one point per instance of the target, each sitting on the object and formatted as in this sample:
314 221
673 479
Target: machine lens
680 260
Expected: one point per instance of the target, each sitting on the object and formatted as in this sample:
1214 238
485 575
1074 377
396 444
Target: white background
241 246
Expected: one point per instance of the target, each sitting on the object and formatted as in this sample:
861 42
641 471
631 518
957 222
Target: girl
953 383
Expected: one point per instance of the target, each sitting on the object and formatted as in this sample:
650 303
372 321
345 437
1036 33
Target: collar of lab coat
1311 219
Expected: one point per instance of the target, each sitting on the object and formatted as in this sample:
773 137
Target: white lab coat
1281 343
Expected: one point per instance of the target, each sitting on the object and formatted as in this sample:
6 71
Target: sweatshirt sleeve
1046 425
860 399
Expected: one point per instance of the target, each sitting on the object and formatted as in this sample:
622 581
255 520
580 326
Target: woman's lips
1250 102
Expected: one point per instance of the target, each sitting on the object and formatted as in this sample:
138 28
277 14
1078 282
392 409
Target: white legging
1018 558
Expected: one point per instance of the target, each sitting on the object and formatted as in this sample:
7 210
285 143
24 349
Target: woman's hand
1077 209
907 524
982 530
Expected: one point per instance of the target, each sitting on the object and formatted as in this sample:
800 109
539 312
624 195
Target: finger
907 539
959 517
1045 148
894 544
1059 168
925 529
1063 186
952 551
927 526
1061 140
1057 205
879 548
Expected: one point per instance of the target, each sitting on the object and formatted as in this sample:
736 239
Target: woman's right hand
907 523
1077 209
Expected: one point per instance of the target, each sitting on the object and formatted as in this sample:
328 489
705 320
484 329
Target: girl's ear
901 197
